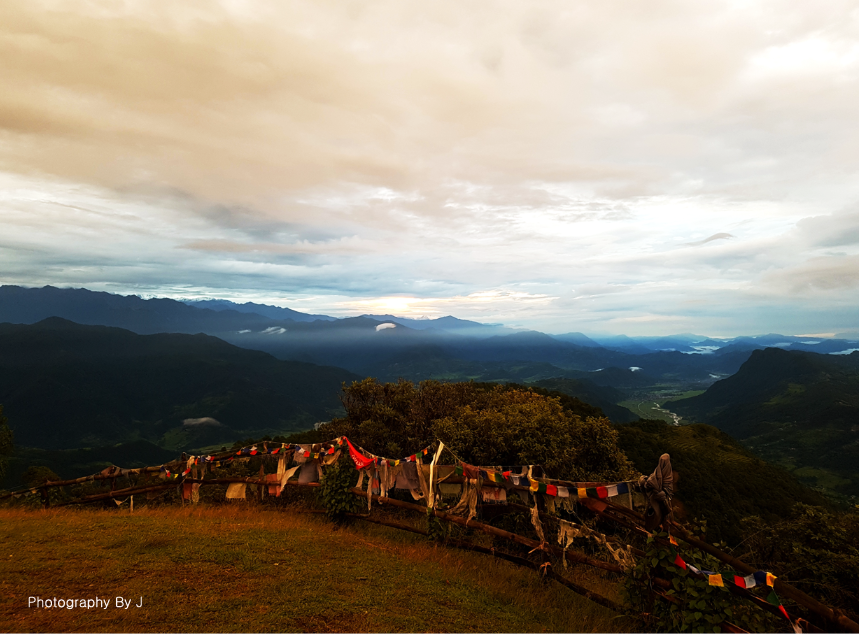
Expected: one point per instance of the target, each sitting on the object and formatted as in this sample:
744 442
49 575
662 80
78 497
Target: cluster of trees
482 424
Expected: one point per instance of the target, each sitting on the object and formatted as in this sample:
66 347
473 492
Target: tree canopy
482 424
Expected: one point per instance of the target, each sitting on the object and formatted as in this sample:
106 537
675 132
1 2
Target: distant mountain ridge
386 345
272 312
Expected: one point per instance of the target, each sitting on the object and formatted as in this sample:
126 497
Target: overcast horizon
595 167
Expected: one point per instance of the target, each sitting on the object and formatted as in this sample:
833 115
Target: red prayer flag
361 462
601 492
739 582
784 613
680 562
551 489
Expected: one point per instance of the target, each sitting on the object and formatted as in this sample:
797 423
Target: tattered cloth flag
715 580
774 600
361 462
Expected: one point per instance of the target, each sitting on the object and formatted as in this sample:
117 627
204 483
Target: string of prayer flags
758 578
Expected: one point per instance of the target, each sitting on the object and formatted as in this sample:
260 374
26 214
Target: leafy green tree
482 424
6 446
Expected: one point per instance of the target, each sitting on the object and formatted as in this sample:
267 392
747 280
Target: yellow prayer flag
533 485
715 580
770 579
672 540
581 493
396 462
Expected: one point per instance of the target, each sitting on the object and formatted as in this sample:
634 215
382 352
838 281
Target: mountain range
89 369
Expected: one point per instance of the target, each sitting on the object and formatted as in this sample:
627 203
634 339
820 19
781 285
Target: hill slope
64 385
720 481
798 409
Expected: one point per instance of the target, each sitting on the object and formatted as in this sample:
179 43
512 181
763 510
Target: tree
483 424
6 445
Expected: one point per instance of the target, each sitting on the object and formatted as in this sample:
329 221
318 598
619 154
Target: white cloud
460 159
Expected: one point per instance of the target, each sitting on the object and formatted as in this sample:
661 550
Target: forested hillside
64 385
796 409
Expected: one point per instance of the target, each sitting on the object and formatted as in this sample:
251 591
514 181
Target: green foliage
690 604
436 529
6 445
482 424
522 427
814 549
335 485
37 476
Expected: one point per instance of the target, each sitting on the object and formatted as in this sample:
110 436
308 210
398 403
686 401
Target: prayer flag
601 492
760 577
563 492
672 540
774 600
623 488
592 493
739 582
581 493
361 462
424 452
680 562
770 579
611 491
749 581
715 580
533 485
552 490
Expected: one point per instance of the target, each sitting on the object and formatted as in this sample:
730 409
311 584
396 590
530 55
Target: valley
84 371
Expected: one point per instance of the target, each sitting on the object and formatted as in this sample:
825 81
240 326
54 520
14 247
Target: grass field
226 568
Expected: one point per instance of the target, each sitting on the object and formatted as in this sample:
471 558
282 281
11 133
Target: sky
593 166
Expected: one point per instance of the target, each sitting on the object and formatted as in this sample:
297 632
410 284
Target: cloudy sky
596 166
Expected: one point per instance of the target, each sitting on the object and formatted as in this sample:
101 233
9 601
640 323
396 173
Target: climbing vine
689 603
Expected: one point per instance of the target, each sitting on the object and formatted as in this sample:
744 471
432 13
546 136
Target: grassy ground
226 568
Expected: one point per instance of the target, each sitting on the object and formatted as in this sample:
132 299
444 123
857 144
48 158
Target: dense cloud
587 166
